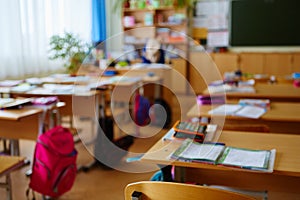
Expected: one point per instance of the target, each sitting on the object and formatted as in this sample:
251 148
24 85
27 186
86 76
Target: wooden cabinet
278 64
252 63
202 71
179 76
296 62
226 62
203 66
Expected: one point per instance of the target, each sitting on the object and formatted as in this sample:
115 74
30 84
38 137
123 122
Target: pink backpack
54 163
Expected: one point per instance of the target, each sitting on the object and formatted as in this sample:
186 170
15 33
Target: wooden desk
15 124
66 97
20 123
274 92
77 104
283 182
7 165
281 118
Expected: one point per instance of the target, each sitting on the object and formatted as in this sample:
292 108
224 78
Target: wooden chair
156 190
7 165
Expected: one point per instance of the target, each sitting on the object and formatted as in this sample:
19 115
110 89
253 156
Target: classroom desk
281 118
21 123
24 123
77 104
281 92
283 183
66 97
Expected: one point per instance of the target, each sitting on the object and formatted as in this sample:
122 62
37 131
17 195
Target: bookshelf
168 23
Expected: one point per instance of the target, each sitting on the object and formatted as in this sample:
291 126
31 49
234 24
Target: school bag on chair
54 163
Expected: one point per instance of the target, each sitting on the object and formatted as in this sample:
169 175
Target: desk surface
287 147
9 163
275 92
22 123
281 112
17 114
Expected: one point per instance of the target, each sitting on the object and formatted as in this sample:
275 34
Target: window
26 27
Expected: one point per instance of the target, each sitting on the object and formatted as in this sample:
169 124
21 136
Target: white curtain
114 26
26 27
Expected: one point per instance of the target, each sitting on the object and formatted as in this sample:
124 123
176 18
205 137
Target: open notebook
220 154
238 110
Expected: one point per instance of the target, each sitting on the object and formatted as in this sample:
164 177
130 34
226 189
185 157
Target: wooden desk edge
15 162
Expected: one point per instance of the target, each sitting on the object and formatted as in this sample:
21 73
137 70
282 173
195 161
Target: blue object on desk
151 74
296 75
109 73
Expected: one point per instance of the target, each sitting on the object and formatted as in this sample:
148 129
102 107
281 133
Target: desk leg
9 191
14 147
7 186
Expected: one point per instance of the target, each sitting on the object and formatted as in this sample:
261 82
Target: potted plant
69 48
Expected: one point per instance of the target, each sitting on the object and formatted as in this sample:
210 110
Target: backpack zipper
60 176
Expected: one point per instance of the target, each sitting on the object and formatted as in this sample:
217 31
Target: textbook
220 154
199 152
210 131
247 158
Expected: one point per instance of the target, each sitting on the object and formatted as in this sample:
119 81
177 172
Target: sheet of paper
246 158
202 151
4 101
254 112
226 109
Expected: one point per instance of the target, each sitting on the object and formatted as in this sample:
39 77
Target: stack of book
220 154
196 131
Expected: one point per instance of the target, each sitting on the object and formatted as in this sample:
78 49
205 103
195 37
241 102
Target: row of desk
284 136
282 117
84 100
281 92
283 182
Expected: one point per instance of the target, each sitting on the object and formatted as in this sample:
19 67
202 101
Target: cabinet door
179 75
252 63
278 64
226 62
202 71
296 62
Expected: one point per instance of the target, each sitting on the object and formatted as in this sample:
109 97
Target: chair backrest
158 190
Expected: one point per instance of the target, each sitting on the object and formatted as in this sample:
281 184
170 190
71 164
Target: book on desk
220 154
185 129
6 103
242 110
